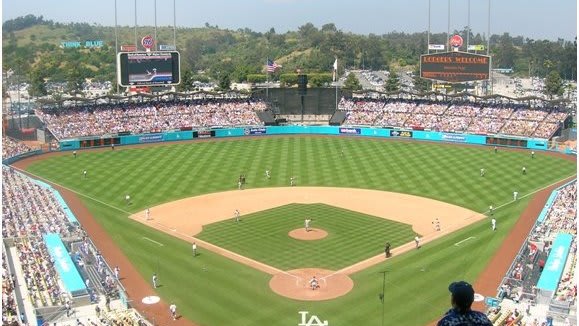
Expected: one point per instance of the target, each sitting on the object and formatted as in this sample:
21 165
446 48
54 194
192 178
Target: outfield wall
128 139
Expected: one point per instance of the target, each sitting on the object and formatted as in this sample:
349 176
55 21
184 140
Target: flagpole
267 79
336 82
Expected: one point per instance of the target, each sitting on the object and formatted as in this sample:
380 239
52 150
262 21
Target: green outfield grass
228 293
263 236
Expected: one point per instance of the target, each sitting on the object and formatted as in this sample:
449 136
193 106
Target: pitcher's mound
312 234
295 284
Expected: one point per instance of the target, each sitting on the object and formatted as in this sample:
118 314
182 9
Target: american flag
271 66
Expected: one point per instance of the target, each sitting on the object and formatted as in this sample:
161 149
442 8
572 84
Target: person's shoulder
480 318
451 318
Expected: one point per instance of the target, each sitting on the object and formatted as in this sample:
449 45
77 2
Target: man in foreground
462 297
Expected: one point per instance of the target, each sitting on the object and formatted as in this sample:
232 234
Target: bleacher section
39 235
541 279
513 120
149 117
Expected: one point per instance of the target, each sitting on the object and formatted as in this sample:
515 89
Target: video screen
156 69
148 69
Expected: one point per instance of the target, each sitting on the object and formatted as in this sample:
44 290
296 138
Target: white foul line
461 241
160 244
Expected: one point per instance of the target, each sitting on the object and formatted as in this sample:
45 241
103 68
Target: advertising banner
167 47
401 133
436 46
63 263
151 138
454 138
555 262
255 131
350 131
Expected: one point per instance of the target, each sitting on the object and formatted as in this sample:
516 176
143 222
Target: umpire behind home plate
462 296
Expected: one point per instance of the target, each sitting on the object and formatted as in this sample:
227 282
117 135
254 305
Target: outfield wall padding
492 140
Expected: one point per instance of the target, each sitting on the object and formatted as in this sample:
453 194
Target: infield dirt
185 218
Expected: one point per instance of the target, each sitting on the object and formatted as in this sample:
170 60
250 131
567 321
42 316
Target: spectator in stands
12 147
462 297
154 116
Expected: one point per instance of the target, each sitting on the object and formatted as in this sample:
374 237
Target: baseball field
214 289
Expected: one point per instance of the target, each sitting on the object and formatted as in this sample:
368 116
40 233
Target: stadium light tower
428 34
448 29
116 44
468 26
174 25
155 3
136 44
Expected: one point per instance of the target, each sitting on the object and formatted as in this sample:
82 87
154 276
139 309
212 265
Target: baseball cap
462 292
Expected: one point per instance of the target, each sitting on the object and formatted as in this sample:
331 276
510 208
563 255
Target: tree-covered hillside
31 48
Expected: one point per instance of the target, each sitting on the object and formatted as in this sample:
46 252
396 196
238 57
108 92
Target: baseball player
532 154
496 149
292 182
494 224
194 247
236 214
84 173
239 184
387 249
128 199
524 170
436 224
74 154
117 272
417 242
267 174
482 172
491 210
515 195
314 283
155 280
173 310
307 224
148 214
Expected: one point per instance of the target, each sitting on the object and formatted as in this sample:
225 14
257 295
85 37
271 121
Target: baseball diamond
343 183
309 163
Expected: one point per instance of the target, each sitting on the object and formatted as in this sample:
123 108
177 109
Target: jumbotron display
148 68
455 67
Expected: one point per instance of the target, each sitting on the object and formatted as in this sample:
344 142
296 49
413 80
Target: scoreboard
455 67
148 68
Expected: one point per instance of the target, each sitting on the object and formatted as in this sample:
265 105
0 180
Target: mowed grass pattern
229 293
263 236
157 174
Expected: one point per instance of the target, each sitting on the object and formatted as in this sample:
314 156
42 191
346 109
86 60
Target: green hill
31 46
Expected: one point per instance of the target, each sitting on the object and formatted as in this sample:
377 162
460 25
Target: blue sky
537 19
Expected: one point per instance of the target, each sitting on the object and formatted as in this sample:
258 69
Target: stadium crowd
11 147
149 116
30 210
9 311
514 119
40 274
521 280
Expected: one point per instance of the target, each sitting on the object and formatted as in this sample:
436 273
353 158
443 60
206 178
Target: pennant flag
335 69
271 66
